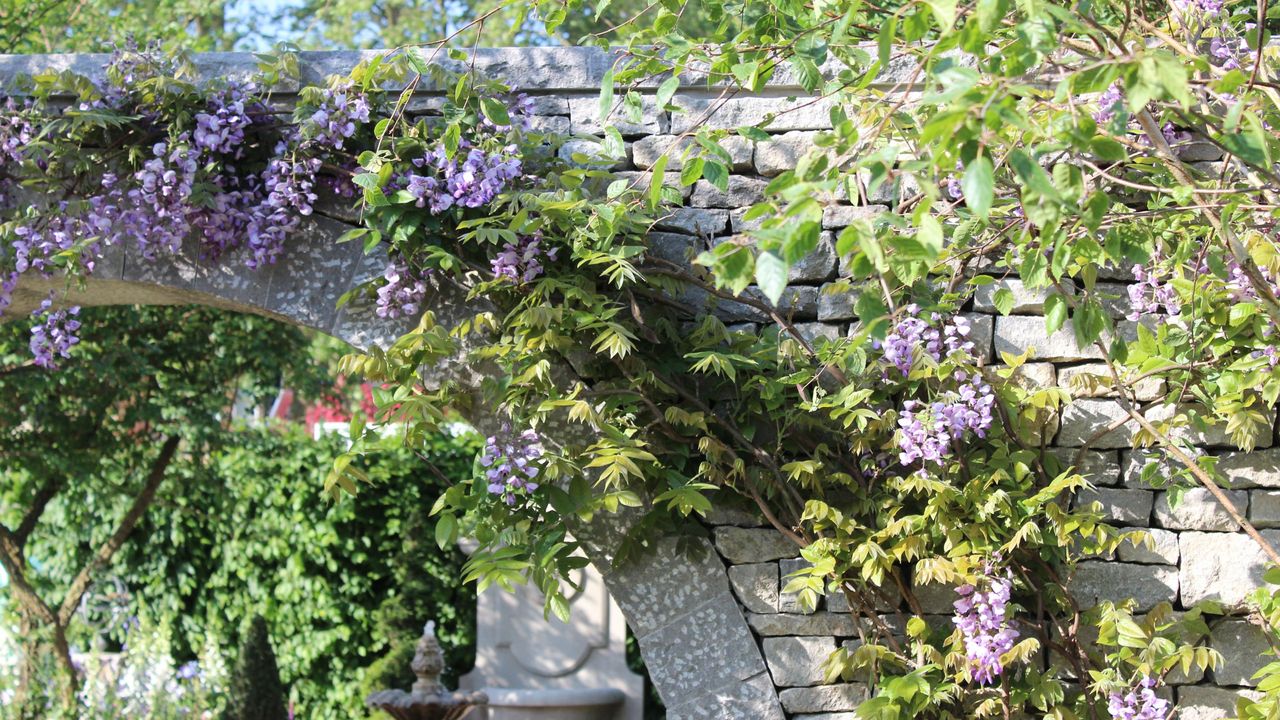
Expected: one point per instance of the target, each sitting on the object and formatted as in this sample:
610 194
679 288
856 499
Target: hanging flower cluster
522 263
928 432
54 334
938 337
1150 293
1140 703
469 180
339 115
981 617
510 463
403 291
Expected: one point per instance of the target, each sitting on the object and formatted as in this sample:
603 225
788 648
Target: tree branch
104 554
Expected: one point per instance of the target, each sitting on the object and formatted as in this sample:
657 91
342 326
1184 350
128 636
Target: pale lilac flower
54 334
981 616
1140 703
402 293
523 262
510 463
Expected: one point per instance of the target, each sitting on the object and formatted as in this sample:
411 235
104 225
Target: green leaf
606 94
1108 150
746 73
1055 313
1250 146
978 185
1032 175
771 275
1003 301
655 183
496 111
446 531
716 173
666 90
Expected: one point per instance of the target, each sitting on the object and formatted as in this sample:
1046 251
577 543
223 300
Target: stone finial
428 663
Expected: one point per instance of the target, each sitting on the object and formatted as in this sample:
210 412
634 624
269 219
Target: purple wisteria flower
1140 703
1150 293
8 283
16 132
927 432
1109 101
337 118
290 187
523 262
510 463
220 129
54 334
1206 8
470 180
938 337
981 616
403 292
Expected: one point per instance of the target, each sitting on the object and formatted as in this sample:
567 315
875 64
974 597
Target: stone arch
702 655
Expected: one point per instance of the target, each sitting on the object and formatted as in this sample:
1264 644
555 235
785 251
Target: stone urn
429 699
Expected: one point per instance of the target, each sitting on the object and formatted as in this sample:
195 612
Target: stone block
782 152
705 651
313 273
1120 506
676 249
836 302
1082 419
1220 566
826 716
790 602
1098 580
589 154
819 623
1212 435
1197 702
741 192
839 216
695 221
826 698
935 598
709 111
1098 467
674 578
740 224
584 117
756 586
1245 650
1026 301
1257 469
817 266
639 180
753 545
1017 334
981 332
816 332
1198 509
1094 380
1163 549
799 303
797 661
754 699
1264 508
646 151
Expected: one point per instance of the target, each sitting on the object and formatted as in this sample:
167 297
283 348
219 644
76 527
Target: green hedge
345 585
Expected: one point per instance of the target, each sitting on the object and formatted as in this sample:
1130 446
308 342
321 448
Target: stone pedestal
517 648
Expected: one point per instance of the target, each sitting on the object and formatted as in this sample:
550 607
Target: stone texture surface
1197 702
797 661
1097 580
1220 566
1198 510
1120 506
845 696
1163 549
753 545
1244 648
756 586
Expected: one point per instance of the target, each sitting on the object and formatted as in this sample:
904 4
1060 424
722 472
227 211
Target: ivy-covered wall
706 671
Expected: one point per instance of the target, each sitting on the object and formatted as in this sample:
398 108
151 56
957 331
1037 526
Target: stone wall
720 639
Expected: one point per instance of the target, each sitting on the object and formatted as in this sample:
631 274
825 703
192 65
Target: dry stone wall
720 638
